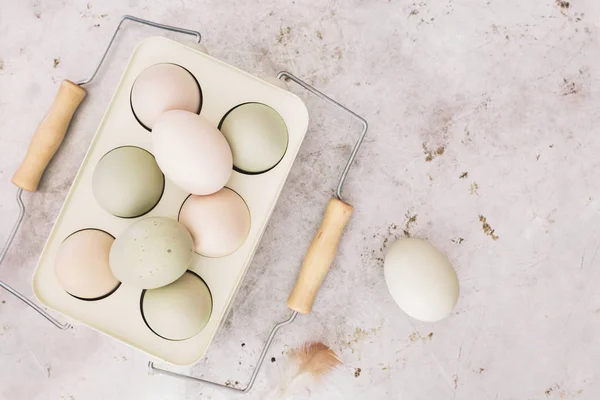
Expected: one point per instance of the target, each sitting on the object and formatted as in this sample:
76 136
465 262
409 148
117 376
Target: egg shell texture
421 279
191 152
151 253
219 223
180 310
163 87
81 265
127 182
258 137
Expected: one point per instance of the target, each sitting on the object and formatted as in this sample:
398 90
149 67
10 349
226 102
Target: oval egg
180 310
191 152
151 253
258 137
163 87
219 223
81 265
421 279
127 182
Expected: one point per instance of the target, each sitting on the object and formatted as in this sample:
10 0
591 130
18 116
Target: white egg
180 310
219 223
421 280
163 87
151 253
191 152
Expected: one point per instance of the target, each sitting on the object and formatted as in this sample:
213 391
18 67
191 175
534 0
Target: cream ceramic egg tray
223 88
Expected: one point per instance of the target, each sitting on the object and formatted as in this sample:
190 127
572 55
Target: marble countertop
480 112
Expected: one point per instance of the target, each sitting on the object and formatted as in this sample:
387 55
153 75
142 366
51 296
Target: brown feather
315 358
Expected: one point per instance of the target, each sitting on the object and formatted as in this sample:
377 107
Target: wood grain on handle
48 136
319 256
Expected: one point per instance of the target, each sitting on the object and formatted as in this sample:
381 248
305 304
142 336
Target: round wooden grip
319 256
48 136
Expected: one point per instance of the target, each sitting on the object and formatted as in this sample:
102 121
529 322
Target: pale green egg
127 182
180 310
257 135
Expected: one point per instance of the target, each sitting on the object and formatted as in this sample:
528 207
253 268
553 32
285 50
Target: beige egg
82 267
258 137
191 152
151 253
180 310
127 182
219 223
163 87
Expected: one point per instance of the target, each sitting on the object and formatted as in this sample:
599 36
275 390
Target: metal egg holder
319 256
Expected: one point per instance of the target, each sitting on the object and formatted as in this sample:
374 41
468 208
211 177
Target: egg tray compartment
223 88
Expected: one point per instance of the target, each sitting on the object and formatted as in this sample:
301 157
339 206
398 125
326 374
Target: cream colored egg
127 182
191 152
151 253
258 137
81 264
180 310
163 87
421 280
219 223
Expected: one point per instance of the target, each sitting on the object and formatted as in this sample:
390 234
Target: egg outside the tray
191 152
180 310
151 253
163 87
219 223
421 279
82 267
127 182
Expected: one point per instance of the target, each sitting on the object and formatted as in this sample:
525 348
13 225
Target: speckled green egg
151 253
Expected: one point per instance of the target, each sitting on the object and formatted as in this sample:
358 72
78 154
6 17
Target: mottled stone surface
484 125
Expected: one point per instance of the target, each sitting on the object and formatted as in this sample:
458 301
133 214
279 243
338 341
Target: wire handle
14 292
363 122
346 213
143 22
250 383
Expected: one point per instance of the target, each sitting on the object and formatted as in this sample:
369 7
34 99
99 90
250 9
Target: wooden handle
48 136
319 256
